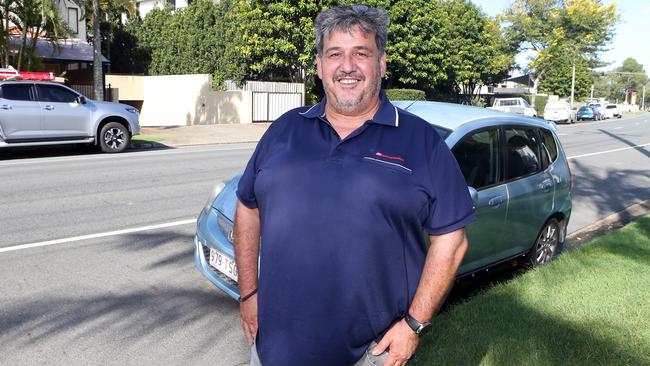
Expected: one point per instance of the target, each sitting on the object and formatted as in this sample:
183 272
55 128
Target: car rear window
16 92
611 107
548 144
553 105
522 151
478 158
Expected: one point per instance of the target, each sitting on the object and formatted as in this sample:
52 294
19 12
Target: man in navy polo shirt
334 203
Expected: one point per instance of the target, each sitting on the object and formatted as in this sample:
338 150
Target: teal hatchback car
516 171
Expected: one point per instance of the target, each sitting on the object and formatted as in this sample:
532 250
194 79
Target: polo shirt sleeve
450 206
246 187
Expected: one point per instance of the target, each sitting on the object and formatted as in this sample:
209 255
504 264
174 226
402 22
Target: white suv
43 113
559 111
612 111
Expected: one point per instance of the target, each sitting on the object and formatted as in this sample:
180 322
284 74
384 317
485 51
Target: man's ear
319 66
382 64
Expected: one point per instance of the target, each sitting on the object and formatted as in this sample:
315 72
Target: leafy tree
579 28
277 38
558 78
617 84
32 18
475 54
196 39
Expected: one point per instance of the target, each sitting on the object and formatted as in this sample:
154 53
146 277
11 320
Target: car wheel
114 137
546 246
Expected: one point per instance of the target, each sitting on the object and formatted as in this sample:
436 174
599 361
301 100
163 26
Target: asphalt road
130 298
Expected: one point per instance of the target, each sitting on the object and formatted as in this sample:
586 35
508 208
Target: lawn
145 138
590 307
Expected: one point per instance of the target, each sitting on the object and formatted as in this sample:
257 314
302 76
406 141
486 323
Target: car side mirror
81 99
473 193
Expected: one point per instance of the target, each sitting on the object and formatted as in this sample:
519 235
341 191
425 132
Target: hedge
405 94
540 103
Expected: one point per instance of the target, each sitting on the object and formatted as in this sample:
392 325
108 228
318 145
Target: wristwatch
419 328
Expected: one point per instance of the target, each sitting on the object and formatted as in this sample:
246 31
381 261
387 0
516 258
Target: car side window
522 152
17 92
55 94
478 158
549 147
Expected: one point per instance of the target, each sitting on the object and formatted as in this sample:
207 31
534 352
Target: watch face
424 329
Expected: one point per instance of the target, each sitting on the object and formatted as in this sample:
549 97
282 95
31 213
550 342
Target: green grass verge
590 307
144 138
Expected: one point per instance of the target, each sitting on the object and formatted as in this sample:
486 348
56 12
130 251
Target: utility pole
591 96
98 76
643 100
573 81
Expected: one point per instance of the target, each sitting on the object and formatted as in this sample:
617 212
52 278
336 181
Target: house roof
61 50
526 79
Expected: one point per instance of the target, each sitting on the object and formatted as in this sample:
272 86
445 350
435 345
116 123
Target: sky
628 41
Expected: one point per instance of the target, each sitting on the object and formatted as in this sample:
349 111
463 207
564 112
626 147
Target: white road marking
98 235
607 151
127 155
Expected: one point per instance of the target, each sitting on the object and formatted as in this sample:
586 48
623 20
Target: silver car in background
517 174
44 113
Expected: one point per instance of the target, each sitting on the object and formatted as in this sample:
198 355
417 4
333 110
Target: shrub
540 102
405 94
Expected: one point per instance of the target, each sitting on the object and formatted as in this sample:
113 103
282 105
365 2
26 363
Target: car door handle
495 201
48 107
5 106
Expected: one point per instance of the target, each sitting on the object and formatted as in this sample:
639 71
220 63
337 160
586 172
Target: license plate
223 264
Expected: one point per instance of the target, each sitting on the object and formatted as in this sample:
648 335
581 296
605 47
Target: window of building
73 20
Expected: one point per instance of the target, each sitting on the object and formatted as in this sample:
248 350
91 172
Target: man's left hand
401 342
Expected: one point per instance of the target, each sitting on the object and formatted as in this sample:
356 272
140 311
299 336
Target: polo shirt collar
385 115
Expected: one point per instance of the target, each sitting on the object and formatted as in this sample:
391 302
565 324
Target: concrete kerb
578 238
179 136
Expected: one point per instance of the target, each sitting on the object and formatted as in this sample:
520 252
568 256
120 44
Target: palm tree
33 18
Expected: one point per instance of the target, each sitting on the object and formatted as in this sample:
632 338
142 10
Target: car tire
547 245
114 137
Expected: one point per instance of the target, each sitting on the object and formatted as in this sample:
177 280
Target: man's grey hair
347 17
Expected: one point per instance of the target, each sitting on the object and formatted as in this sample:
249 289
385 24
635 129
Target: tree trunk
98 79
7 39
21 51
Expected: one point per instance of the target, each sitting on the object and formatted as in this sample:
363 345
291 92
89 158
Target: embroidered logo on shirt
396 158
388 160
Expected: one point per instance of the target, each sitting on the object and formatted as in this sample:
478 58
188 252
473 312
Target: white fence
272 99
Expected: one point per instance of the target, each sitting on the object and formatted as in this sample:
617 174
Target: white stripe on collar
307 111
396 117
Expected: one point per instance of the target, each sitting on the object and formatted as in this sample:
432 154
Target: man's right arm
247 248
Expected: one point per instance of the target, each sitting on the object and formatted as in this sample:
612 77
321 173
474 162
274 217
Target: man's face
351 69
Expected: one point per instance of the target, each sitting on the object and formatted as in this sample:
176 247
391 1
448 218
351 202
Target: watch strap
415 325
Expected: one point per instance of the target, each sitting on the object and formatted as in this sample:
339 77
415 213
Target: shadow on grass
585 309
503 331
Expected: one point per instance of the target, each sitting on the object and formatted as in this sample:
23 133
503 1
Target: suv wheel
114 137
546 246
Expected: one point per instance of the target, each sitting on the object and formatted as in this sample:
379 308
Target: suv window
522 152
548 145
16 91
478 158
55 94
